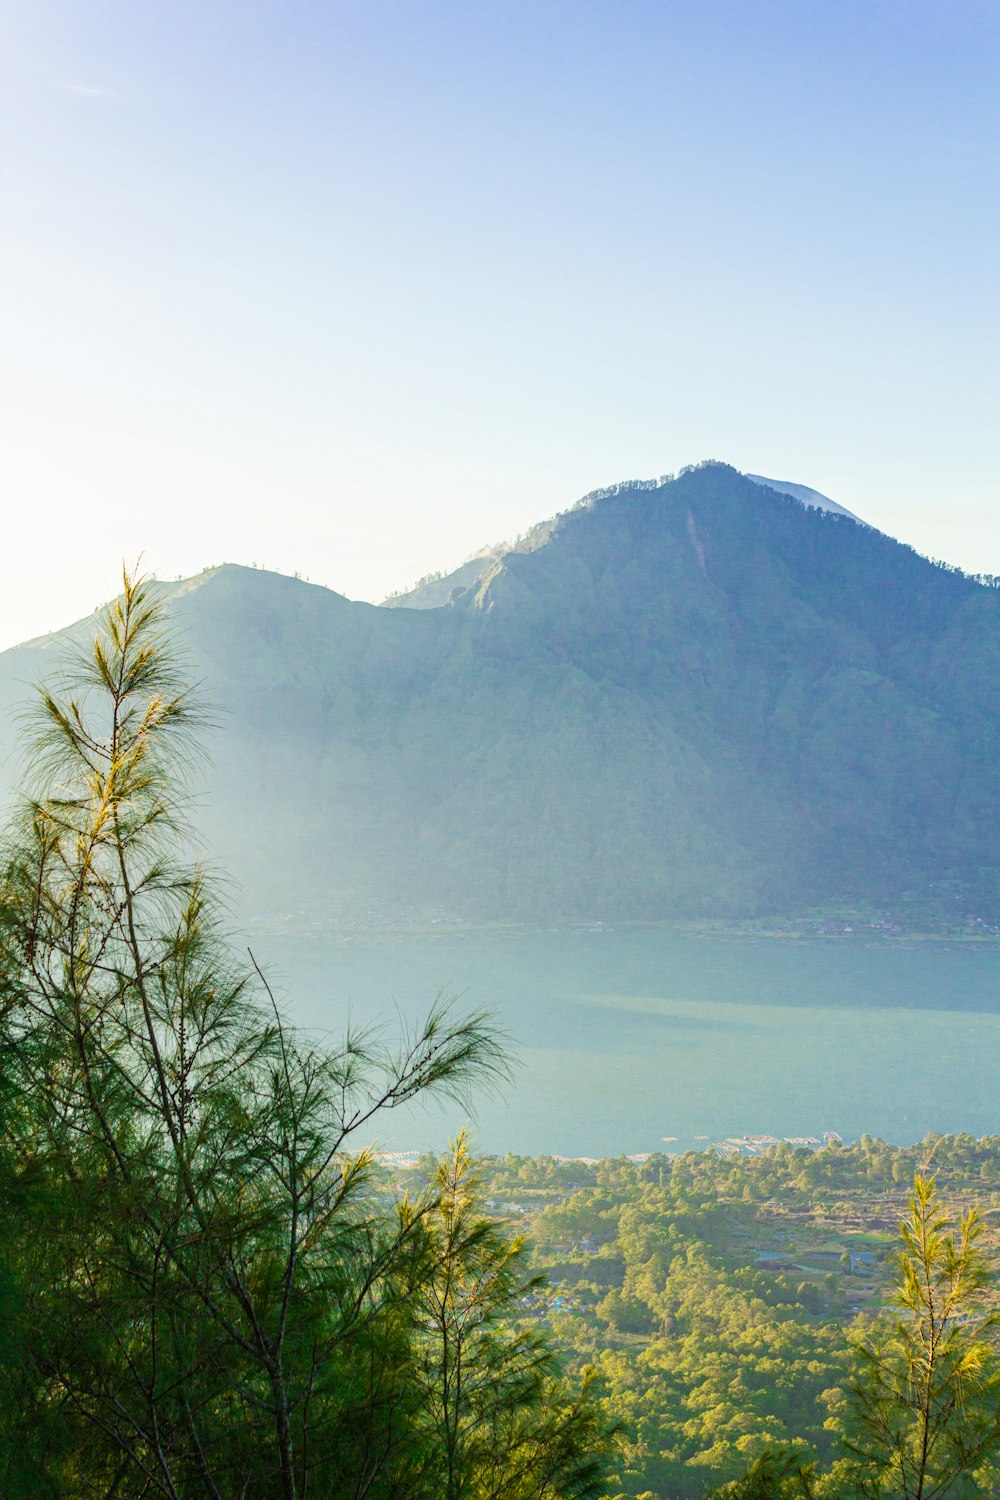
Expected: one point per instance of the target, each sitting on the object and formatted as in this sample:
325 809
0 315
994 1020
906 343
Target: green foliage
924 1409
204 1288
720 1341
773 1476
502 1424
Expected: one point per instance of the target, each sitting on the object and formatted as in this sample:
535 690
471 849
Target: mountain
691 697
438 588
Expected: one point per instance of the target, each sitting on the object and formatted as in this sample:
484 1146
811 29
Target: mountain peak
712 475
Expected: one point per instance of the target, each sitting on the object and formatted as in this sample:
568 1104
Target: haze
355 289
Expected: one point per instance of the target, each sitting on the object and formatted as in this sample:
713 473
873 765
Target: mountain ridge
694 698
436 589
806 496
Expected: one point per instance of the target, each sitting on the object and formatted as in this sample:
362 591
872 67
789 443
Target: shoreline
829 927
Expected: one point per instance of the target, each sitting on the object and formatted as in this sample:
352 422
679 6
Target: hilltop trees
203 1289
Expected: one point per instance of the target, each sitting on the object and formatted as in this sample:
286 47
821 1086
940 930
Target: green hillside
693 698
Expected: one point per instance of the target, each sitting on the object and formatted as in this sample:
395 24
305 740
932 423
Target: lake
627 1037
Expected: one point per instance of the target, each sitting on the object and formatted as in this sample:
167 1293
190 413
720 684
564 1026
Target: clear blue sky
353 288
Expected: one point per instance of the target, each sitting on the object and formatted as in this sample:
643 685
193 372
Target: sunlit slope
701 698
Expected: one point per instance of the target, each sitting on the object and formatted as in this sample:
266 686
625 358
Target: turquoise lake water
625 1037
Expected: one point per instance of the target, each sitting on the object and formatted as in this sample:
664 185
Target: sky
353 289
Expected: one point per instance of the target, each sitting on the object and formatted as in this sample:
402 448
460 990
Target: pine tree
203 1289
501 1422
924 1405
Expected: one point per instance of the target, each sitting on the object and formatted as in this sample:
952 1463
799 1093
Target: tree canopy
206 1287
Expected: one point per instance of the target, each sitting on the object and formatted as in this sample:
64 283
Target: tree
206 1289
924 1404
503 1425
776 1475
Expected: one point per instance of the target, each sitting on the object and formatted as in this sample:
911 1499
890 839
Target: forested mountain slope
699 697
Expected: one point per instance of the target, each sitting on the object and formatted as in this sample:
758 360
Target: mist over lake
629 1036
